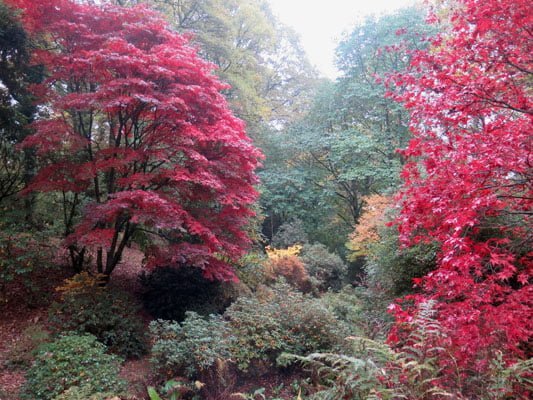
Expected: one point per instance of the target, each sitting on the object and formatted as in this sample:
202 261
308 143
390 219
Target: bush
190 347
105 312
282 320
289 234
286 263
72 360
394 268
21 354
24 257
251 270
254 329
375 370
168 293
86 392
327 269
362 309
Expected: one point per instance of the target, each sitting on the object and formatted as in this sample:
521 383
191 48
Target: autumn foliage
286 263
366 231
137 139
468 179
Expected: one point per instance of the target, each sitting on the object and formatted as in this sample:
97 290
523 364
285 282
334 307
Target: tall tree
135 129
261 59
468 179
16 105
344 149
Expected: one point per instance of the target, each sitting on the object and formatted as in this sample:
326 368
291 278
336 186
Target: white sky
320 23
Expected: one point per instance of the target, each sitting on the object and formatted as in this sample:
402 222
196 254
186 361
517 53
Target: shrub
328 269
282 320
254 329
375 370
105 312
21 354
286 263
251 270
86 392
393 267
72 360
168 293
289 234
362 309
24 257
190 347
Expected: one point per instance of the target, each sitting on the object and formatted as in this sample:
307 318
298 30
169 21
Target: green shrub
325 267
25 257
373 370
251 270
289 234
105 312
281 320
21 354
72 360
393 268
189 347
168 293
254 329
362 309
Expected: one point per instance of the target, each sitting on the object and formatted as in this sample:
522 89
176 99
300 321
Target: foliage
135 126
23 256
71 361
395 268
467 180
286 263
190 347
362 309
270 76
289 234
344 148
251 270
376 371
105 312
172 390
168 293
85 392
254 330
16 103
280 320
326 268
21 353
367 232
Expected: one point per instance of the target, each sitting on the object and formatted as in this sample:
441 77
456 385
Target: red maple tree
468 180
133 126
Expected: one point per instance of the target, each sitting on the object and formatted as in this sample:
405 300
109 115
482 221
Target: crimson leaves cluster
468 177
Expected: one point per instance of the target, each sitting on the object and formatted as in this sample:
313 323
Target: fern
376 371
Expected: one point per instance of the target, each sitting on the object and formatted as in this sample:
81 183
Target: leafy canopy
468 176
134 127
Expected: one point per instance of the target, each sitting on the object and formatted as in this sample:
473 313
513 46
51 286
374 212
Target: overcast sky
320 23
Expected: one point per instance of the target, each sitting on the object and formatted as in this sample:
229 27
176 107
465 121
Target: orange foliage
366 231
286 263
81 282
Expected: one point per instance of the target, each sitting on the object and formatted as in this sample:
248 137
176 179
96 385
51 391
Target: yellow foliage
366 231
277 254
80 282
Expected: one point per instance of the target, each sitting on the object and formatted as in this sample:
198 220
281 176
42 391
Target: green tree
345 147
260 58
16 107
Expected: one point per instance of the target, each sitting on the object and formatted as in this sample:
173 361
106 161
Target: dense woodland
189 211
